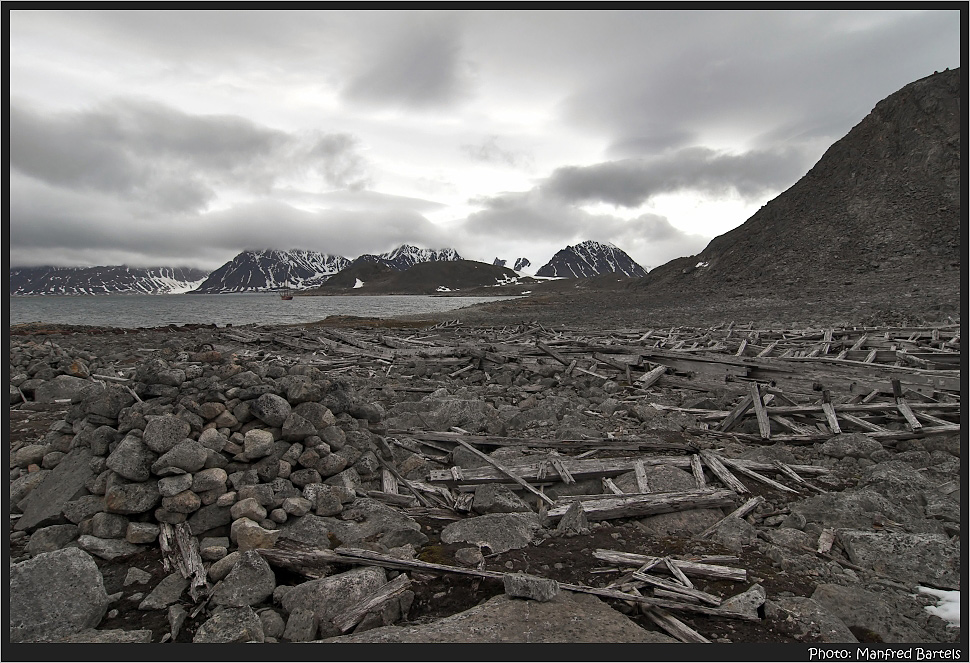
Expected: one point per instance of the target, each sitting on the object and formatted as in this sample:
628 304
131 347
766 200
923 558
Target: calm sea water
235 309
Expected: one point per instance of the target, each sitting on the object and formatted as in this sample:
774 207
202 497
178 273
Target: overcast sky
181 138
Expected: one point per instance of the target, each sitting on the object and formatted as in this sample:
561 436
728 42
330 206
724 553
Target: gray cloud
151 152
420 67
103 229
489 151
544 224
632 182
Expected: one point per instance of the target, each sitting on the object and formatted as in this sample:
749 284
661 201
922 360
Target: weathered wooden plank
740 512
674 626
375 601
721 472
506 471
710 599
591 468
732 418
764 426
647 380
611 507
687 567
697 471
758 477
498 441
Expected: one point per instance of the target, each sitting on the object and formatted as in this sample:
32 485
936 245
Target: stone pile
240 453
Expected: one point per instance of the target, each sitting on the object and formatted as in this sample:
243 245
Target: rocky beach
489 475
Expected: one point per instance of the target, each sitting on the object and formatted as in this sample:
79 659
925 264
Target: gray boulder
44 504
567 618
498 532
932 559
496 498
109 549
132 498
330 597
65 387
522 585
377 523
231 624
49 539
250 582
132 459
271 409
853 445
187 455
164 432
167 592
866 611
54 595
807 620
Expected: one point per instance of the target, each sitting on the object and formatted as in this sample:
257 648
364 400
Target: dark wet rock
54 595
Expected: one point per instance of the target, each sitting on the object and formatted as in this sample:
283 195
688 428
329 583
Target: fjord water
134 311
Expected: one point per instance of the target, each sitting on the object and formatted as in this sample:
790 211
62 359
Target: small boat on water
286 293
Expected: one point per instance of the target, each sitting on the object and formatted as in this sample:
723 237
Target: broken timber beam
504 470
623 506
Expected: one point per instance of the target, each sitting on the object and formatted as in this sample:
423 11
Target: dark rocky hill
882 205
590 258
366 277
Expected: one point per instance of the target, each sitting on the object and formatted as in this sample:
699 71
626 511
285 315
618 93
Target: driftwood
687 567
592 468
372 603
321 558
504 470
673 626
713 461
498 441
625 506
740 512
181 550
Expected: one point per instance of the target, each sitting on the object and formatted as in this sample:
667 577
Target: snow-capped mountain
406 256
104 280
269 269
590 258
